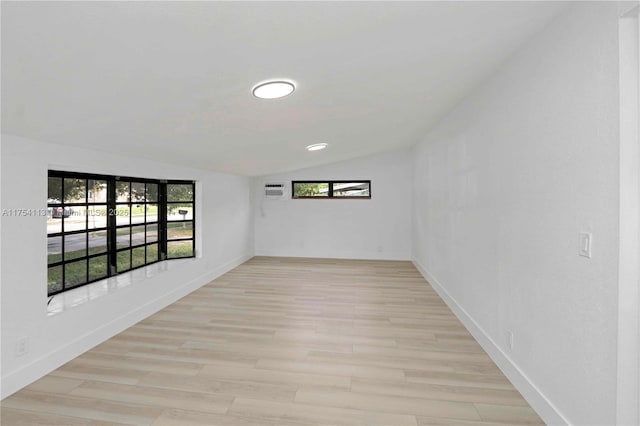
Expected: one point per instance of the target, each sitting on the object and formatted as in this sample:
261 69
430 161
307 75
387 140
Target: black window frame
128 205
330 193
114 207
166 239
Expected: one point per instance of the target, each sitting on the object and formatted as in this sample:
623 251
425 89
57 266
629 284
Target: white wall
224 240
628 386
378 228
503 186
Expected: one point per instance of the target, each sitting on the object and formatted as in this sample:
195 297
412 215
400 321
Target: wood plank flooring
281 341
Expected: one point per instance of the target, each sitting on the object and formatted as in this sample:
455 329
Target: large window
99 226
179 221
331 189
136 214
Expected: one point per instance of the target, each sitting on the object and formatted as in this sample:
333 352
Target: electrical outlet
22 347
509 336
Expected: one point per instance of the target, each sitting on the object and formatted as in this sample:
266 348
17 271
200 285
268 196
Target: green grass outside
53 258
77 272
128 259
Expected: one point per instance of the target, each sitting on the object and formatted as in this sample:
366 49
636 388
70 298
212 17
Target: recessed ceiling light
317 146
273 89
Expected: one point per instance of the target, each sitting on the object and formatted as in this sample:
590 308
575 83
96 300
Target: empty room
320 213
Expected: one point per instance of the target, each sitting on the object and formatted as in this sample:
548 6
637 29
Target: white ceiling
172 81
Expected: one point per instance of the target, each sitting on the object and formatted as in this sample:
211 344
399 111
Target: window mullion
111 226
162 220
193 221
86 229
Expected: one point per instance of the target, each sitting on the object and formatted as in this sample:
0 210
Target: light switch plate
586 241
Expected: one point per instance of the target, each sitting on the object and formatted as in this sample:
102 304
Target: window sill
79 296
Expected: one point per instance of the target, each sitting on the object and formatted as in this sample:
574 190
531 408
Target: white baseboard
333 255
43 365
538 401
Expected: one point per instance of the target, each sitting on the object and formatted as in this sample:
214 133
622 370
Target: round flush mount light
317 146
273 89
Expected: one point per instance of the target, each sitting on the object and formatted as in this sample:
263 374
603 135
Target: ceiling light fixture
273 89
317 146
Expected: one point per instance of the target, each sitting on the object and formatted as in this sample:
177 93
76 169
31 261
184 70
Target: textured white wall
503 186
223 232
378 228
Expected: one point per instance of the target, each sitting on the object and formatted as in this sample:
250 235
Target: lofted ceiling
171 81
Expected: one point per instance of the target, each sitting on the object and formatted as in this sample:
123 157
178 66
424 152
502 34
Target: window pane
152 192
122 191
351 189
152 253
54 249
54 279
180 211
97 216
152 213
137 213
123 260
122 213
152 233
55 190
123 237
302 189
179 230
75 246
137 235
178 192
74 218
97 191
97 242
179 249
137 192
138 257
60 212
75 190
75 273
54 224
97 267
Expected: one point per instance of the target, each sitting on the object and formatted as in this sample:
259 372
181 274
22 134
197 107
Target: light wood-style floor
281 341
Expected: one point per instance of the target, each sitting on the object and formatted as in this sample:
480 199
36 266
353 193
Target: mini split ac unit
274 191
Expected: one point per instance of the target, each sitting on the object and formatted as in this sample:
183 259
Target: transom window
99 226
331 189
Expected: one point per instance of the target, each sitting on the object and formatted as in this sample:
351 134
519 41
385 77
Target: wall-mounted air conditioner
274 191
